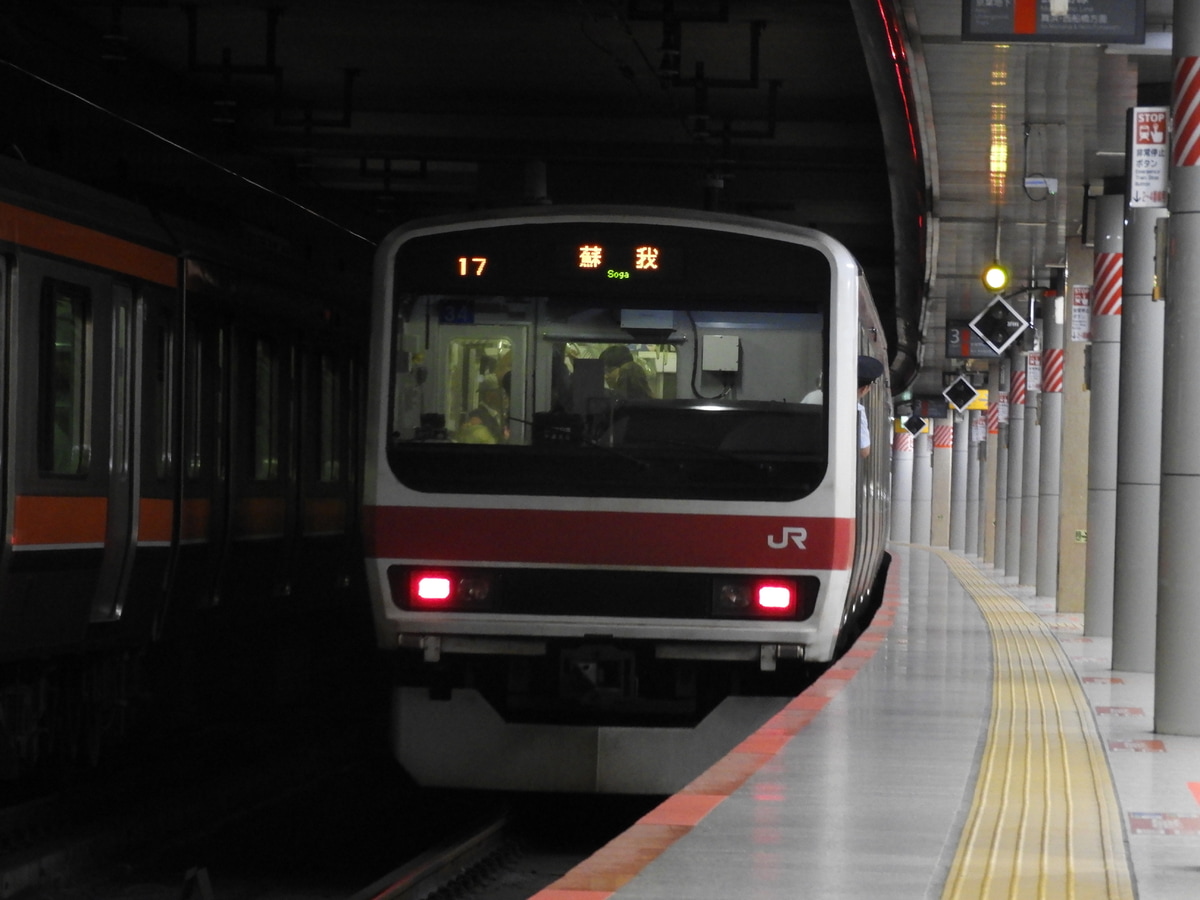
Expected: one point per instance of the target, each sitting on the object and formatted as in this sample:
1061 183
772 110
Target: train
179 462
616 506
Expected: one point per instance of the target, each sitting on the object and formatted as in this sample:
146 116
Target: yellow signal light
995 277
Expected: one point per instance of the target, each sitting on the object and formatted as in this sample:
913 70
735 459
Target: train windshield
636 393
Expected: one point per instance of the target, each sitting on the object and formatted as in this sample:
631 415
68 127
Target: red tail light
747 597
775 596
431 587
449 589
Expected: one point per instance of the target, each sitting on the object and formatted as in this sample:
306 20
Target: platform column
1016 456
902 484
1104 381
1139 450
1073 523
972 537
1050 469
1030 469
922 490
1177 664
959 484
1002 439
989 470
943 462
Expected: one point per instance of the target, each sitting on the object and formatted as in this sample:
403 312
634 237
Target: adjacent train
179 458
615 504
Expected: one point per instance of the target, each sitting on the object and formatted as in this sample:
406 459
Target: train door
322 558
61 348
263 515
147 449
6 385
203 465
124 335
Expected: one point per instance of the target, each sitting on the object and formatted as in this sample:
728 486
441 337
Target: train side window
266 410
329 427
65 389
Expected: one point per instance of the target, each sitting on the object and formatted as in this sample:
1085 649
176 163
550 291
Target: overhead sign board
999 325
962 342
1058 21
931 408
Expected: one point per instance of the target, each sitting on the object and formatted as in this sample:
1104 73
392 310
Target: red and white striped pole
1030 469
943 470
1050 459
902 486
1107 280
1016 460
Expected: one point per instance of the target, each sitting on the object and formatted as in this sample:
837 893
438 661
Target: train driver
869 370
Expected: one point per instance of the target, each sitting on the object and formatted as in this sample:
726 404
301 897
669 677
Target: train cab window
267 410
65 387
478 386
557 394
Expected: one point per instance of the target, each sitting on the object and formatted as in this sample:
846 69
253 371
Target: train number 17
471 266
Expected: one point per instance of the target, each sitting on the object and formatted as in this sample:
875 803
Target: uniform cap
869 368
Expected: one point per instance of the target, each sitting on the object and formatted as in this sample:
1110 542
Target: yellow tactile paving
1044 822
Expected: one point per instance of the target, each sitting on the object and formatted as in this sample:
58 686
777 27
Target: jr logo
790 534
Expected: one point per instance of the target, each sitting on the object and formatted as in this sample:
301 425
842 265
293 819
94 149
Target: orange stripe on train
59 520
324 515
259 517
154 519
40 232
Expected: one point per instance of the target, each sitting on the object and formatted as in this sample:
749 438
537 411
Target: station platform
972 744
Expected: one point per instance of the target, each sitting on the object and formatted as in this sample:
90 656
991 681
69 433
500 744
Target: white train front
615 508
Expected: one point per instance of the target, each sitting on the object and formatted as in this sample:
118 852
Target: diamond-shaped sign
914 424
961 394
999 325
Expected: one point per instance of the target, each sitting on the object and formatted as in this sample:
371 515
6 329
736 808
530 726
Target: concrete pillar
1050 468
943 461
1104 383
1073 494
922 491
1139 450
959 470
971 542
991 453
1002 440
1177 664
1016 457
902 484
1030 469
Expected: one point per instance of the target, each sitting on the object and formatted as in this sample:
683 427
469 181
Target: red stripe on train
587 538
